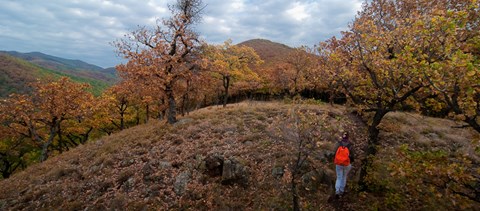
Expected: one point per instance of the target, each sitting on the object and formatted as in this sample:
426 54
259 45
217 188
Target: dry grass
410 145
136 168
427 132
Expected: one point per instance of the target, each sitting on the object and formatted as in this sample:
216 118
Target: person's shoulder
338 144
349 145
345 143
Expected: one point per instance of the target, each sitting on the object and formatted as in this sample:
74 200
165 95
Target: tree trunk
331 98
147 108
53 133
371 150
122 109
186 99
122 123
8 167
86 136
6 171
161 112
204 100
6 174
296 204
71 140
137 115
452 101
172 109
226 85
184 104
473 123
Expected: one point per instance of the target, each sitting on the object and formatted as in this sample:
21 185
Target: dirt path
359 138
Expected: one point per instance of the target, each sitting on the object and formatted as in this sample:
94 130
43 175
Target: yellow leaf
471 73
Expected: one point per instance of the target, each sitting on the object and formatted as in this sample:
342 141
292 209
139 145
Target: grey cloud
270 19
84 29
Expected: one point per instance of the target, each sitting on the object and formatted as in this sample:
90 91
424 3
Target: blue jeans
342 173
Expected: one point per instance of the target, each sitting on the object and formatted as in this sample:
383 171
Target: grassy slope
17 73
97 86
128 169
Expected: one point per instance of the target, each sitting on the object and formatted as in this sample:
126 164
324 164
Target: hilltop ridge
232 158
184 166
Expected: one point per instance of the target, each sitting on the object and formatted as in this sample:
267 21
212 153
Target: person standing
343 158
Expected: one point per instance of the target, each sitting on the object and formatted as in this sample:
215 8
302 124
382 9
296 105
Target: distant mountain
67 66
110 70
17 73
54 62
270 52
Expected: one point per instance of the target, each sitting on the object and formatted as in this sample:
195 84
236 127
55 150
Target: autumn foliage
416 56
164 55
231 63
52 119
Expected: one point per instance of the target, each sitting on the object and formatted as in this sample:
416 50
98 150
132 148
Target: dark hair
345 137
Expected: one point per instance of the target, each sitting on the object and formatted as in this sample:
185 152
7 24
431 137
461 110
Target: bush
424 179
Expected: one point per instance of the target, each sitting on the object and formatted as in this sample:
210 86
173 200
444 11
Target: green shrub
423 179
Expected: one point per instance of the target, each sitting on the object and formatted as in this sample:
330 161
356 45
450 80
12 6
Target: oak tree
398 48
449 39
385 72
166 53
232 63
41 117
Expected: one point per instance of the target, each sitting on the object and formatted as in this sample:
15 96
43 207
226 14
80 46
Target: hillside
17 73
68 66
270 52
233 158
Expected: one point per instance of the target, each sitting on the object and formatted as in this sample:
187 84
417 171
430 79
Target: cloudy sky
84 29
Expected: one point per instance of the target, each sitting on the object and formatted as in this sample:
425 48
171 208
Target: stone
234 172
147 169
127 162
164 165
181 181
214 165
313 180
248 143
278 172
183 121
310 181
433 136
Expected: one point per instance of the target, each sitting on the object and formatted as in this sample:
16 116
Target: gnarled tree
385 73
41 117
398 48
166 53
450 41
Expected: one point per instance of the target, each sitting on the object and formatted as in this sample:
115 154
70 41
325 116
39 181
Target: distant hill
233 159
110 70
67 66
16 73
270 52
